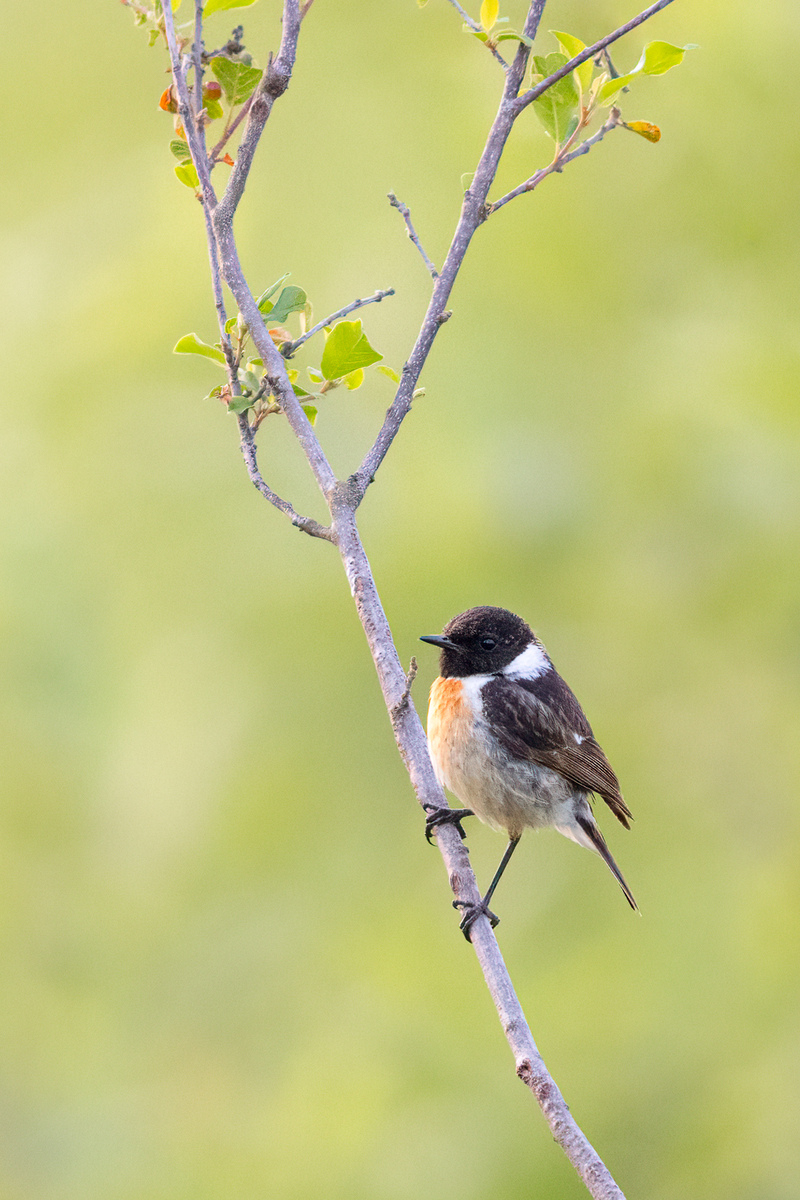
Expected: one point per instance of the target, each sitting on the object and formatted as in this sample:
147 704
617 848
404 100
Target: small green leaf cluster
235 78
345 357
569 105
489 32
149 16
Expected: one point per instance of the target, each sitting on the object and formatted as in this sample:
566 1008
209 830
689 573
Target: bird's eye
488 643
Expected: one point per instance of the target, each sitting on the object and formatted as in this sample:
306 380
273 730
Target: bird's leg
445 816
473 911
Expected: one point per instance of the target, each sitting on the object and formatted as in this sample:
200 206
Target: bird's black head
482 641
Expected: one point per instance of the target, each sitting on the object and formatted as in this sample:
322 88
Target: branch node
444 316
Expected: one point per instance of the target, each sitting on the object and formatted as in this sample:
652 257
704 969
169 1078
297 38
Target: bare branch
473 213
288 348
406 215
476 27
273 84
558 163
230 130
197 56
309 526
535 92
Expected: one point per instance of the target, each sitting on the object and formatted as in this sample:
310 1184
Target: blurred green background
229 962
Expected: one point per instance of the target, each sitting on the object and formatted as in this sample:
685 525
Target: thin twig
288 348
476 27
273 83
535 92
406 215
307 524
230 130
558 163
411 675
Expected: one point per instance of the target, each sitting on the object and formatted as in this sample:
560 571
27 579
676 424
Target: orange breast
449 724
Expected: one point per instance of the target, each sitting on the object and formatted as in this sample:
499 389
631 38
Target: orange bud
227 159
180 131
212 90
645 129
279 334
168 101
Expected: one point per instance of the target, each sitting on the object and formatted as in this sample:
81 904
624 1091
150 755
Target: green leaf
237 79
612 87
476 33
389 372
213 108
249 380
557 108
315 376
511 36
421 3
240 404
310 412
190 344
187 174
298 391
659 57
490 11
347 349
572 47
262 301
231 321
291 299
354 379
180 149
212 6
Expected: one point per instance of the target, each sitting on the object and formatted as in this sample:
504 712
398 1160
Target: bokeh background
229 962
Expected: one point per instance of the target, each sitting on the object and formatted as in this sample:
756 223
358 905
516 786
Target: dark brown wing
540 720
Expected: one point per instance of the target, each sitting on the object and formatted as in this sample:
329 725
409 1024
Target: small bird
510 740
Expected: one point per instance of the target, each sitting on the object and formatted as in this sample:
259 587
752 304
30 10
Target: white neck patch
531 662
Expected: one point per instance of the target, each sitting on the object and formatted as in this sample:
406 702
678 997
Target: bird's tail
586 833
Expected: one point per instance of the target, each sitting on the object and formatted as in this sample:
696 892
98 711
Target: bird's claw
471 913
445 816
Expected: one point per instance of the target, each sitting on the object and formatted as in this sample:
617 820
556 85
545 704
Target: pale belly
505 793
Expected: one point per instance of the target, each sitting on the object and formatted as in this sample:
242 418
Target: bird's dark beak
442 642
